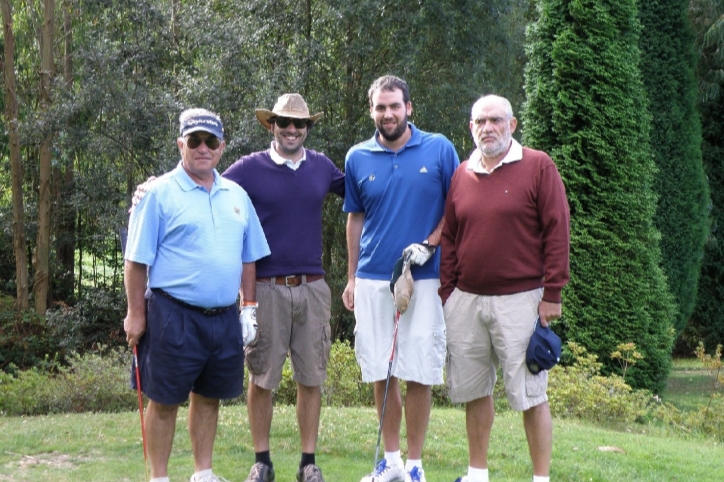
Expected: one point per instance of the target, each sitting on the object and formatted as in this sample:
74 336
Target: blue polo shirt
402 195
194 241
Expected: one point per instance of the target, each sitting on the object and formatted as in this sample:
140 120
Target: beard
497 148
396 133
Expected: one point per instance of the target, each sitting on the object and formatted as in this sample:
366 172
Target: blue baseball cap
544 349
202 123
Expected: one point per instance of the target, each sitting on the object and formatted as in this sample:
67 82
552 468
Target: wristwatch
427 243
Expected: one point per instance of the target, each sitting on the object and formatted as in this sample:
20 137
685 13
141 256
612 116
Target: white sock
477 475
412 463
198 475
160 479
394 458
540 478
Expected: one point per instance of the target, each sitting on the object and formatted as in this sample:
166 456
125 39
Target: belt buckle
291 282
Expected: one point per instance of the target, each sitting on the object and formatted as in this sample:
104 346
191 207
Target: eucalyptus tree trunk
16 167
41 258
63 188
175 6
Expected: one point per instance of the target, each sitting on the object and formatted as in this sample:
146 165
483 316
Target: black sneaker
260 472
310 473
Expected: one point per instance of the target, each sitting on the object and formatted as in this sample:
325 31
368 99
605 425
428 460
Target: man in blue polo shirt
396 185
190 235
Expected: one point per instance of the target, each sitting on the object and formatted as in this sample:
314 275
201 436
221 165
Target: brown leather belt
291 280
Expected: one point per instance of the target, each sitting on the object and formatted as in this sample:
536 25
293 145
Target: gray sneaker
310 473
260 472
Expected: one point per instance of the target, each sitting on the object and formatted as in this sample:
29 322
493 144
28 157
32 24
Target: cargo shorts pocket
536 385
256 357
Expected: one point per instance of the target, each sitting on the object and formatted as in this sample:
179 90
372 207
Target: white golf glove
418 253
248 324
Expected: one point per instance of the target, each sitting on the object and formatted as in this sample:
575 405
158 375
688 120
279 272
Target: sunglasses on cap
283 122
212 142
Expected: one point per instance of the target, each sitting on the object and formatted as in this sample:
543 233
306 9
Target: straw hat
288 105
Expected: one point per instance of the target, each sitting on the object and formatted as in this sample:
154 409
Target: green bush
26 339
708 420
94 319
579 391
97 381
343 387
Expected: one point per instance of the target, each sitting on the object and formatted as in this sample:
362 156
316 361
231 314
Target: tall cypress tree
707 322
587 107
668 66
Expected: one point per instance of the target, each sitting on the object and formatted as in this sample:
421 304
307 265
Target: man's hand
248 324
548 312
348 295
418 253
135 327
140 191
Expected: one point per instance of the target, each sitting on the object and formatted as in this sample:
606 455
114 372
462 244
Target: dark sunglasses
283 122
211 142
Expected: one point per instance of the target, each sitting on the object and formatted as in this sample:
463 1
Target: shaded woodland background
624 95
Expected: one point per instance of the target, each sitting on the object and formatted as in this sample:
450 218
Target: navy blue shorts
185 351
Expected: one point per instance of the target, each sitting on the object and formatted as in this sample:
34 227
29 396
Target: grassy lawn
689 384
108 447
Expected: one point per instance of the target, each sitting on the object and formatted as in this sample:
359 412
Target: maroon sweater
508 231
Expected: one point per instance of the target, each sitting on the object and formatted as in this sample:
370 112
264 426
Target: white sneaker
385 472
415 475
208 478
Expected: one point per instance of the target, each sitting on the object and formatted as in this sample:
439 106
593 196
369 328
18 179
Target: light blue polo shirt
402 195
194 241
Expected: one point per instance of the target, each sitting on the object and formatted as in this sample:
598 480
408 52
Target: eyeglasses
212 142
283 122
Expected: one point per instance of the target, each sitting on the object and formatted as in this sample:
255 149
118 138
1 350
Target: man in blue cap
190 234
505 245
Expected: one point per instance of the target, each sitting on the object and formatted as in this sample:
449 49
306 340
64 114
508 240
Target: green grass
108 447
689 385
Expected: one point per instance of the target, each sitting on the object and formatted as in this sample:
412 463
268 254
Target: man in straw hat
287 185
397 182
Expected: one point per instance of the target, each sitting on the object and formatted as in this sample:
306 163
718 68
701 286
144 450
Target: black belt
205 311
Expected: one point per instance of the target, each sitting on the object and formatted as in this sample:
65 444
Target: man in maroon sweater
505 246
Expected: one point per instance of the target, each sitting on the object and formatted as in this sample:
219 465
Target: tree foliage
707 321
668 71
136 64
586 106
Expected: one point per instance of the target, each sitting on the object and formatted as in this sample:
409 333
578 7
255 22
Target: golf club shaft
387 386
140 401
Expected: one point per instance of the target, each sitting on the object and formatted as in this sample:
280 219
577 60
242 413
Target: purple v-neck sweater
289 205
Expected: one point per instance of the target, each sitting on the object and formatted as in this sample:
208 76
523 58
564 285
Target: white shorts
420 346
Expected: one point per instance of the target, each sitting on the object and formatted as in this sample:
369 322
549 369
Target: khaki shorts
420 347
292 321
484 331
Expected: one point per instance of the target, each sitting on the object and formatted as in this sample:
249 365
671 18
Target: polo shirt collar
187 184
281 161
414 140
515 153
